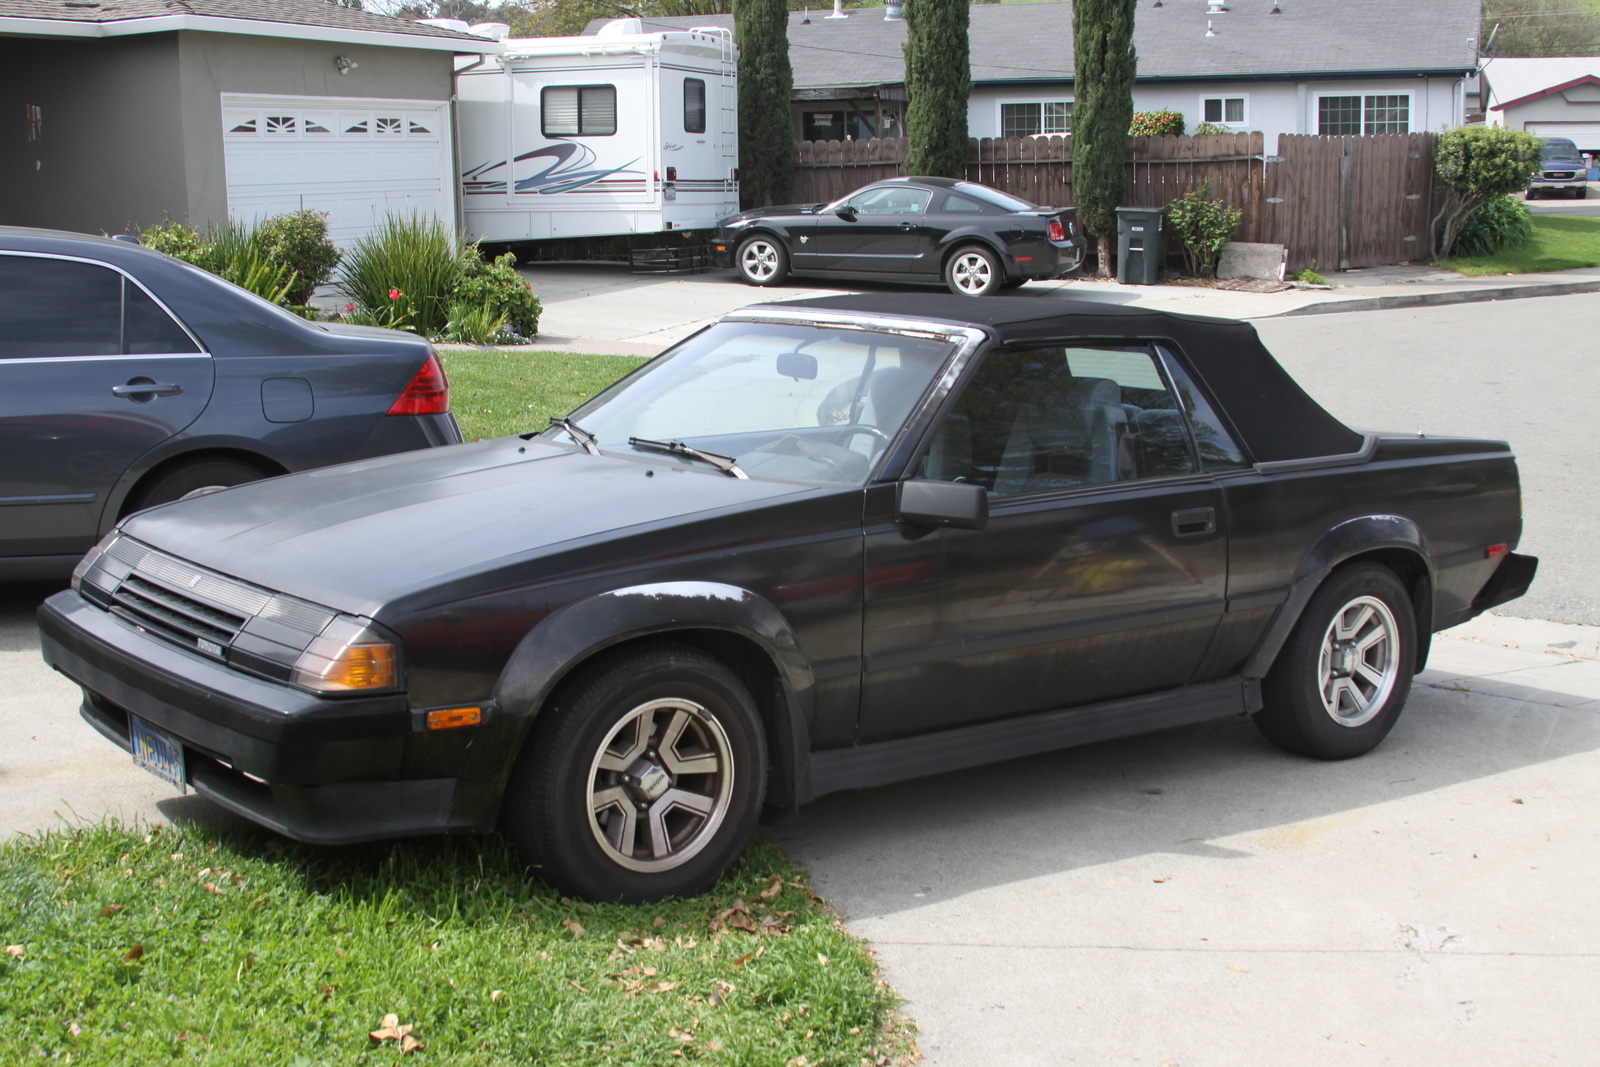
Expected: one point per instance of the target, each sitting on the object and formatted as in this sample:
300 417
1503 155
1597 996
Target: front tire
973 271
1580 193
762 260
1341 680
642 780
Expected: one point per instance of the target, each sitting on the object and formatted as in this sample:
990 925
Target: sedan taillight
1058 232
428 393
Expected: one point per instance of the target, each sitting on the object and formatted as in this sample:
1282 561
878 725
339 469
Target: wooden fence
1336 202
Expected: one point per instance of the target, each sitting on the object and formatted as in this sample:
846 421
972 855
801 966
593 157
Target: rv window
694 105
579 110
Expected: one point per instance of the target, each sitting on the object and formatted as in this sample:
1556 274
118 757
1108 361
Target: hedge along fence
1338 202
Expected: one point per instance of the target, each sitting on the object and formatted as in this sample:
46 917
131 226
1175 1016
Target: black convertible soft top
1275 417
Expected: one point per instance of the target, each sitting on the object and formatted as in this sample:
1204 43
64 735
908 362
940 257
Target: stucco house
1556 97
120 114
1278 66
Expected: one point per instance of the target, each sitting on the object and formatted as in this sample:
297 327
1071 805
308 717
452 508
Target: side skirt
882 762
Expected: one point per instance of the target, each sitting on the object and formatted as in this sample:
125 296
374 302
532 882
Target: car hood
361 535
768 212
1562 164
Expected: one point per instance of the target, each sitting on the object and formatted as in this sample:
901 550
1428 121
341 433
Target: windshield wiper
725 464
577 433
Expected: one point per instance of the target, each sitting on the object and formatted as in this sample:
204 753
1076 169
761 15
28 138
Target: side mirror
961 505
801 366
846 212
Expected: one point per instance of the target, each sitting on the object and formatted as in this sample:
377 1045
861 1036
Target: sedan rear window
66 307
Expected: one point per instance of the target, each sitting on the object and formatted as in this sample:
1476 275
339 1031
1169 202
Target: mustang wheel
1343 676
194 479
973 271
642 780
762 261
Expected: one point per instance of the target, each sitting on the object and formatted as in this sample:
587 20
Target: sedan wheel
762 261
973 271
1343 676
192 479
642 779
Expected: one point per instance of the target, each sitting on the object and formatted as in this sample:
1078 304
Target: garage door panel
357 160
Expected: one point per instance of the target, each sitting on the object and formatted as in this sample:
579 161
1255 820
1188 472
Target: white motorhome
620 133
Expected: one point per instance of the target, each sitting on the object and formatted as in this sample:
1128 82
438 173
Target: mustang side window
891 200
1217 449
1034 420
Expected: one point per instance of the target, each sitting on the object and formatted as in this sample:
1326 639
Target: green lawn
1559 242
495 392
210 946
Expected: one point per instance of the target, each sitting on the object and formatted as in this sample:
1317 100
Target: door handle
1192 522
907 225
145 389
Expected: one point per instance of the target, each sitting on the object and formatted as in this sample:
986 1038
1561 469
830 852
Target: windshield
811 404
1558 150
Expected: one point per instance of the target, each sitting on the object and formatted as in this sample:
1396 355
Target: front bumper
313 769
1564 179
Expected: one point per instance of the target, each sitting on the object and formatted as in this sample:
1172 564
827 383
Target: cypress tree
766 132
938 82
1102 80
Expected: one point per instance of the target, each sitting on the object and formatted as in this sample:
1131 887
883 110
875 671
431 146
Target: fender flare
179 449
578 631
1348 539
971 235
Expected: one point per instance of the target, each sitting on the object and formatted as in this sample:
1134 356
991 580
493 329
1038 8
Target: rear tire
973 271
1341 680
762 260
194 478
642 779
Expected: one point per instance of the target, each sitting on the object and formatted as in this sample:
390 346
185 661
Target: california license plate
157 751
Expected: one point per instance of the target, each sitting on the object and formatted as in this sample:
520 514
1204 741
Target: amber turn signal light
449 718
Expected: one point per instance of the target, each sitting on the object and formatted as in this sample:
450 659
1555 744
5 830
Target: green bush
474 325
415 259
176 240
299 241
1156 123
1309 275
1474 165
1499 224
1210 127
236 251
1204 226
498 289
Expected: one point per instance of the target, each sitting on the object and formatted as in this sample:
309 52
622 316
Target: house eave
1284 76
12 26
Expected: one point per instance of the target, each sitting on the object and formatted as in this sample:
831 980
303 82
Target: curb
1451 296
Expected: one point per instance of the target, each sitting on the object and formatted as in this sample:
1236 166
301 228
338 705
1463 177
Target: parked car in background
974 239
819 545
129 379
1562 169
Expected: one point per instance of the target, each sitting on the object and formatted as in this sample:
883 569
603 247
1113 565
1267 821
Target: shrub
177 240
1474 165
1203 225
1210 127
413 257
1156 123
299 241
235 251
474 325
1309 275
498 289
1499 224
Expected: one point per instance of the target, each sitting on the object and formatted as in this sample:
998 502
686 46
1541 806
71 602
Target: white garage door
1586 135
359 160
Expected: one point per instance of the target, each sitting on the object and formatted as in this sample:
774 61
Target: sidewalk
1197 897
603 308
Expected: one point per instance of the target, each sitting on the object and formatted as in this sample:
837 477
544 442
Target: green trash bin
1141 244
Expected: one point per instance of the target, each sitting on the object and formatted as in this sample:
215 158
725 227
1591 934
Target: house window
1224 110
1028 118
1348 115
694 105
35 123
823 125
389 124
578 110
280 124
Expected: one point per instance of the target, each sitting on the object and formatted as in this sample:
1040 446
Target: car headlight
347 656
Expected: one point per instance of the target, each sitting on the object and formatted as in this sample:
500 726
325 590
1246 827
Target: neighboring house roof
1518 81
1020 43
301 19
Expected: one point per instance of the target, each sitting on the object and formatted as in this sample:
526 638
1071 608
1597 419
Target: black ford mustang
975 239
816 546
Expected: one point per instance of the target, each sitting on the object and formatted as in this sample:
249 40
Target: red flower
394 294
349 309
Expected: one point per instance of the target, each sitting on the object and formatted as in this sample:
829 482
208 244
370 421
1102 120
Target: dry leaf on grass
110 910
133 953
774 887
573 926
211 887
392 1030
14 950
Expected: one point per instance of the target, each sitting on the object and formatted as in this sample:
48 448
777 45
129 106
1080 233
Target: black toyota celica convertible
816 546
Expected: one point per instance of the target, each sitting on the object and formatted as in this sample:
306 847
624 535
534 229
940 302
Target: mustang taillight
1058 232
428 393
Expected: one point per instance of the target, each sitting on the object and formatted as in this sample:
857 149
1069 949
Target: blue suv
1561 167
